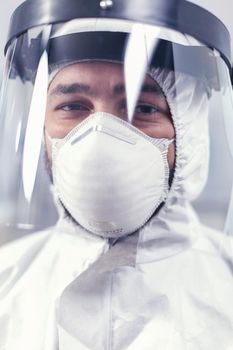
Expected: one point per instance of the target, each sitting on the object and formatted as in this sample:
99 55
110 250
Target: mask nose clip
102 129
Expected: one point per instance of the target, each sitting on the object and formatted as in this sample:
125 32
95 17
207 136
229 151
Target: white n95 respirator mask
110 176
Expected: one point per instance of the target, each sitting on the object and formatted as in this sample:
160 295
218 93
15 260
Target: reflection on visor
35 126
140 48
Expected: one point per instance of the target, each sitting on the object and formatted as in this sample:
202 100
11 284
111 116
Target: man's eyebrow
68 89
149 87
146 88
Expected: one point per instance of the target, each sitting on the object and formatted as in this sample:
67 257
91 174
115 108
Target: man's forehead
86 69
84 76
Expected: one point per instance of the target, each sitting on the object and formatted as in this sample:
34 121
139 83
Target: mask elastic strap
170 141
48 136
51 139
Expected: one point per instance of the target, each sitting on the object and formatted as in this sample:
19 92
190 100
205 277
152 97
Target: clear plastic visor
163 83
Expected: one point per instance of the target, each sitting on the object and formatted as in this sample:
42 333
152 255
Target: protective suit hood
189 110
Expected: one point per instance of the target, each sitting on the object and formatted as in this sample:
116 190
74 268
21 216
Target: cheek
171 156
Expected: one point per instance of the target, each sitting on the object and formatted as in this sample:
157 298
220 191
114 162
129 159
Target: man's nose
111 108
107 107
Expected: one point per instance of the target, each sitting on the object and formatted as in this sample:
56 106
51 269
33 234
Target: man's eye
69 107
146 109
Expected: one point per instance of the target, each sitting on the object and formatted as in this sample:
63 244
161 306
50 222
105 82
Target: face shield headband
85 46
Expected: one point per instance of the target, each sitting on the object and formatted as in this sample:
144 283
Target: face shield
108 113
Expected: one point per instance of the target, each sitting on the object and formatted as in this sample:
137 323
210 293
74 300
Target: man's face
82 89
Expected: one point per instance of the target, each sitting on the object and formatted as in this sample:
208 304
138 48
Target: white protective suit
168 286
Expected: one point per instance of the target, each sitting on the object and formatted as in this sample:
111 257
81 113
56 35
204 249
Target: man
128 265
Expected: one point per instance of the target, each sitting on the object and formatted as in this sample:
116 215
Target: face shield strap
199 61
86 46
